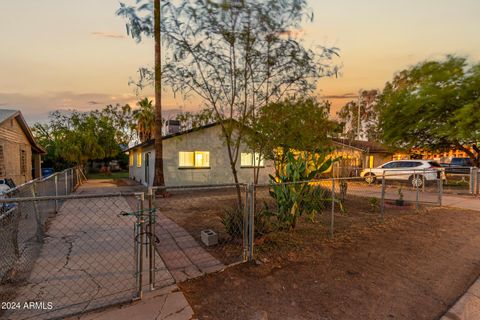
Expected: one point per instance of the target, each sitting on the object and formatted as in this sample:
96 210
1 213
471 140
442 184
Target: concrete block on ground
209 237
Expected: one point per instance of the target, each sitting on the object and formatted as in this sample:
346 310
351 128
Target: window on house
23 162
2 163
370 161
194 159
130 160
249 159
139 159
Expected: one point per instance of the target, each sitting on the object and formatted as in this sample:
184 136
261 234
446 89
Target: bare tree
237 56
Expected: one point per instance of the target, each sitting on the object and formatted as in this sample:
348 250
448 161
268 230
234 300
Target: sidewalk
463 202
167 303
467 307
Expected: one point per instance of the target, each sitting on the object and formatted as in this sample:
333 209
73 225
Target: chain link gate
80 258
72 254
201 228
144 240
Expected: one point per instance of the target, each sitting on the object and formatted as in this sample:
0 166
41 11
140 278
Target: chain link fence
60 253
95 251
67 254
22 221
342 202
462 181
77 253
200 229
457 180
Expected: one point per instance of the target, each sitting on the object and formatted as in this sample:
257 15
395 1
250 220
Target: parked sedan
416 172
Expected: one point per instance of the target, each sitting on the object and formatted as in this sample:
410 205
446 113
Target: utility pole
358 116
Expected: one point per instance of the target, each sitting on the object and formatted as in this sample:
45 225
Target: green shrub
293 196
232 220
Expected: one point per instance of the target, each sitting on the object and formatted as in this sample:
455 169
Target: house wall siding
208 139
13 139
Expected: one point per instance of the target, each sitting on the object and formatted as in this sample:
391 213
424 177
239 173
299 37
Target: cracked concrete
86 264
86 261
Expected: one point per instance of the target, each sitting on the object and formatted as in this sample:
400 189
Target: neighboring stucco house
357 155
195 157
20 154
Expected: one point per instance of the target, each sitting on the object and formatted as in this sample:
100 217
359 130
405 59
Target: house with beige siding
195 157
20 154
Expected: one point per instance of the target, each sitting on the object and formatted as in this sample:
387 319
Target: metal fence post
440 190
77 174
417 192
72 187
477 177
471 182
38 218
56 193
423 180
139 246
246 224
151 231
382 201
251 223
66 182
332 215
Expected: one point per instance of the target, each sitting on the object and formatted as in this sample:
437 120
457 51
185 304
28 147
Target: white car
417 172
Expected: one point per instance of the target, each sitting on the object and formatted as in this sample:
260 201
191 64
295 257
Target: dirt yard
199 210
412 266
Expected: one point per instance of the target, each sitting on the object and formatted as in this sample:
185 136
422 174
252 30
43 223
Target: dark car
458 165
46 172
5 186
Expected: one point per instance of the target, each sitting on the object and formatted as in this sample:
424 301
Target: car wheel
416 181
370 178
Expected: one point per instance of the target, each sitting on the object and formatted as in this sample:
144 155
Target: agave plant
294 190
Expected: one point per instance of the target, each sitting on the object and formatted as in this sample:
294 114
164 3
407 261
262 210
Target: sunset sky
62 54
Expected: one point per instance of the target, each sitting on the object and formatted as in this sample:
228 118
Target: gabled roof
6 114
171 135
364 146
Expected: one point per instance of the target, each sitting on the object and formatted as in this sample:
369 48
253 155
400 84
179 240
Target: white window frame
195 166
254 156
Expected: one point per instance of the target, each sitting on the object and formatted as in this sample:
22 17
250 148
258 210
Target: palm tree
159 179
145 118
137 27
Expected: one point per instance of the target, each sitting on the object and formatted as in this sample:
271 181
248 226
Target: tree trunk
159 180
475 158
